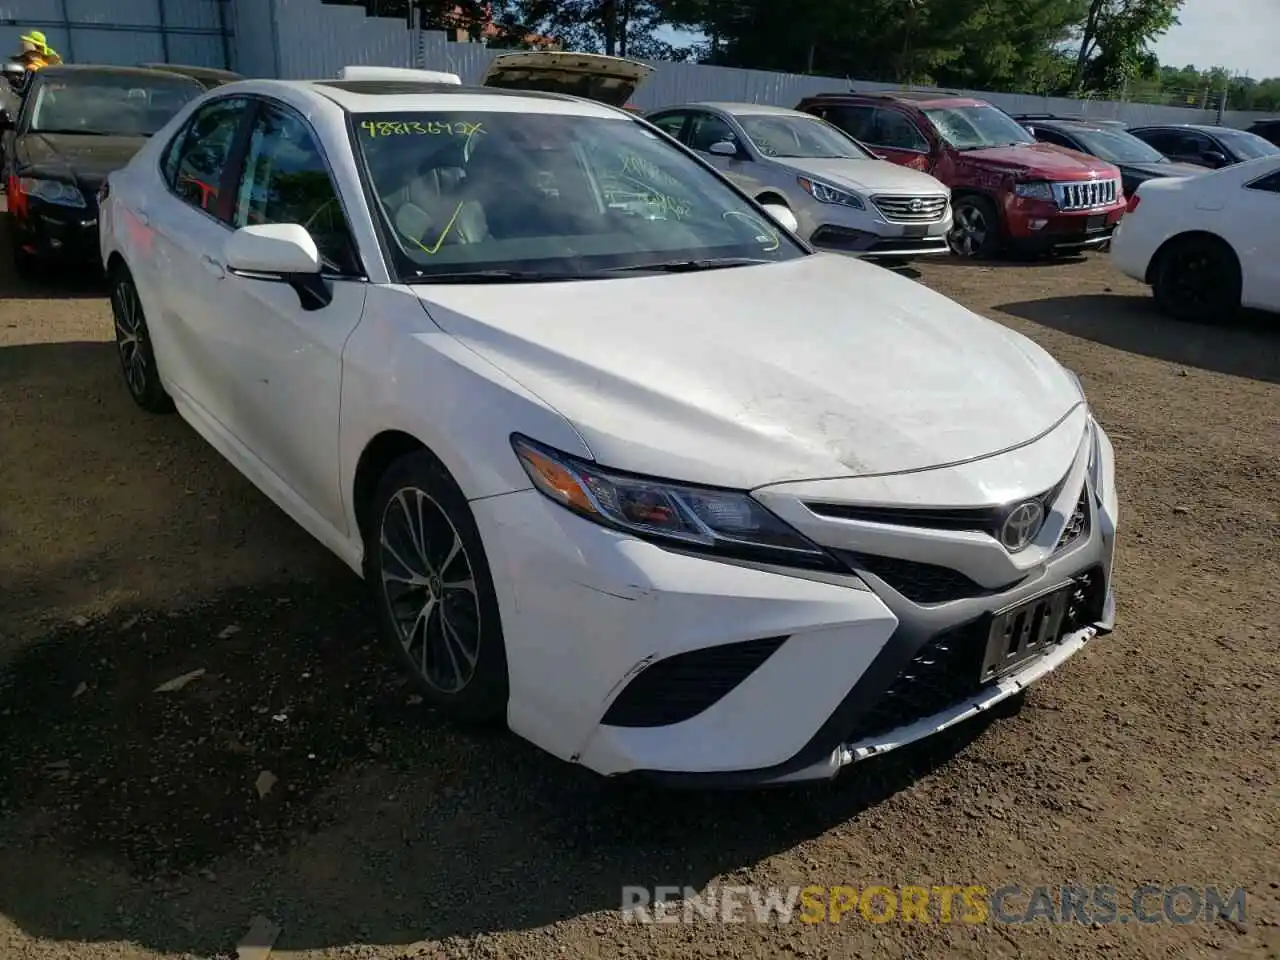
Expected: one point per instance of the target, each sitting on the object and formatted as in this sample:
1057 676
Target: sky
1241 35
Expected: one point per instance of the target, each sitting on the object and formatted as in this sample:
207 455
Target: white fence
197 32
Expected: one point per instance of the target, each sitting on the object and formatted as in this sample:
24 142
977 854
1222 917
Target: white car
671 493
1207 245
845 198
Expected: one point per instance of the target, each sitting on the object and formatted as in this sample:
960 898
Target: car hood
1158 169
86 159
823 366
1043 160
873 176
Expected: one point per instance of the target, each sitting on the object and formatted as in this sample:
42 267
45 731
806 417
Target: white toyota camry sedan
654 482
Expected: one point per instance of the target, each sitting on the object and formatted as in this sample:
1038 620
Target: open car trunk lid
610 80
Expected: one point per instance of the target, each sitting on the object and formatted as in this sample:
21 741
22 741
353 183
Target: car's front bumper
57 233
867 233
632 659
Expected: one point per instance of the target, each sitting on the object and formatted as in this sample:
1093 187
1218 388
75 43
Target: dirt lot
131 824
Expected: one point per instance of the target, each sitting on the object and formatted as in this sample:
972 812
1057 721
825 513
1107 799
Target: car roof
1198 127
727 106
1068 122
387 96
932 98
191 70
142 73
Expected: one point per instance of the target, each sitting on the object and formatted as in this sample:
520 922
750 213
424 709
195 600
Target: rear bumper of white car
632 659
870 233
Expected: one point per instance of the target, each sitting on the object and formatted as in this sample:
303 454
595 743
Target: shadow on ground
1248 346
298 777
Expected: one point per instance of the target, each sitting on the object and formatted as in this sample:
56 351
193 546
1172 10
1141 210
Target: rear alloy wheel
133 342
435 597
975 230
1197 280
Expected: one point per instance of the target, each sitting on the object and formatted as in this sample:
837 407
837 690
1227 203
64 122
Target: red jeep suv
1008 192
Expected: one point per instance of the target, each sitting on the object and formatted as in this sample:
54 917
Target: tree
1114 40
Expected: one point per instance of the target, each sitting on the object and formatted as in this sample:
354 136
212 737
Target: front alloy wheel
975 230
133 343
430 590
437 606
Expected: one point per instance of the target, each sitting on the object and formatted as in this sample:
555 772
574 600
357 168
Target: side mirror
1214 158
724 149
280 253
782 216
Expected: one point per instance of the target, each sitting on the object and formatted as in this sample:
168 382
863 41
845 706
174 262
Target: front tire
133 343
1197 280
426 567
975 231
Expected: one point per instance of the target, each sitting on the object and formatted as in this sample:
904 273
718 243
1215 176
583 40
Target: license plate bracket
1023 631
916 231
1095 223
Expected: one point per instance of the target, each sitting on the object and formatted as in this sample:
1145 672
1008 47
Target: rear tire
1197 280
436 604
133 344
976 233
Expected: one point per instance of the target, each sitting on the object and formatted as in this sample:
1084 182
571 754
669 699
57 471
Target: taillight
1133 203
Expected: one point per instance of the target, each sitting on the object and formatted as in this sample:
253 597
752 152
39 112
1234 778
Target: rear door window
197 159
857 121
894 129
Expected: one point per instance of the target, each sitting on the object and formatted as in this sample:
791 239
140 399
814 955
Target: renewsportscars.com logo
973 904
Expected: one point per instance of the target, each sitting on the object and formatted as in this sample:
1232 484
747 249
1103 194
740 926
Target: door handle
212 266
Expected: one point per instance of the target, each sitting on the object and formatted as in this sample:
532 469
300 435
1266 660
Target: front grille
1077 524
947 670
1086 194
922 583
911 209
682 686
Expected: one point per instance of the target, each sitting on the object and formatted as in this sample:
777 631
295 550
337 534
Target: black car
1205 146
1267 130
1137 160
76 125
207 77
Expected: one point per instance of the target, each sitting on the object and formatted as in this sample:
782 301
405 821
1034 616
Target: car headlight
704 519
1095 460
824 193
1034 190
52 191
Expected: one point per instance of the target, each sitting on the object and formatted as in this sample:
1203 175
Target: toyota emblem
1021 525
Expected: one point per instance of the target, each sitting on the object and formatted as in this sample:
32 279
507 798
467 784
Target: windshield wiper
497 276
687 266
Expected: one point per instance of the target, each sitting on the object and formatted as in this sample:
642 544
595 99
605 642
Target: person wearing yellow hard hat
36 52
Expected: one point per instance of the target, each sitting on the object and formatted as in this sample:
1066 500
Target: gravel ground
298 779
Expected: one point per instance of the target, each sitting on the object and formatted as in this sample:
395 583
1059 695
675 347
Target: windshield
554 194
972 128
1117 146
109 104
1246 145
785 136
